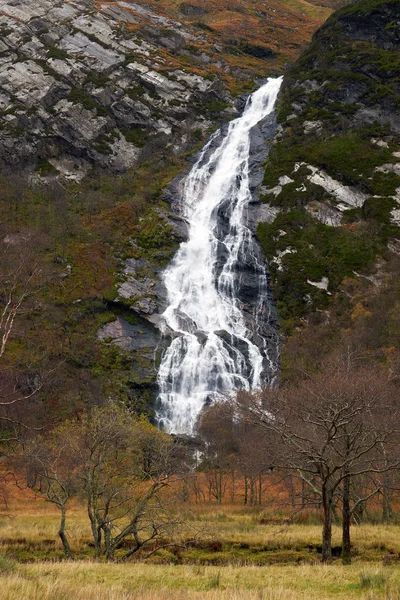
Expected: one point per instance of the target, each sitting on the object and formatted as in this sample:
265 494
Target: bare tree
254 460
330 429
23 371
216 432
20 278
52 473
126 464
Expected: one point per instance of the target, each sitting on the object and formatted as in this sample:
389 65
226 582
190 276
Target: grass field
89 581
228 536
302 6
244 554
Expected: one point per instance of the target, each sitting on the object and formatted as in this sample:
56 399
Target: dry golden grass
246 536
34 527
285 26
320 13
88 581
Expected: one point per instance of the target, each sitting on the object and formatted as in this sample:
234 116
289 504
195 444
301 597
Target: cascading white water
213 351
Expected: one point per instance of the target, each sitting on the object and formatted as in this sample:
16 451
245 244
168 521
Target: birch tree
52 473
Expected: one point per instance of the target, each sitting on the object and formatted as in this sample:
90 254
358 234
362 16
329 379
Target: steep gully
219 315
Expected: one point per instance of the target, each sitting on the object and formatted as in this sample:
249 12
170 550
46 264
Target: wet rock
146 306
129 336
132 288
261 213
143 289
260 140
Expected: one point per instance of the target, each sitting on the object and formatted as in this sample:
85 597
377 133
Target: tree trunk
209 488
218 486
327 527
61 533
303 494
221 490
346 545
233 489
252 499
197 488
358 513
387 509
96 531
291 490
185 491
108 542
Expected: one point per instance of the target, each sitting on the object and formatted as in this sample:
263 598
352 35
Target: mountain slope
332 179
126 93
102 105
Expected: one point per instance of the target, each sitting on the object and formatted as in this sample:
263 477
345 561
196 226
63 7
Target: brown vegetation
239 32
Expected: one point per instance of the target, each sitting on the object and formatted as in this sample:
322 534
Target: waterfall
216 348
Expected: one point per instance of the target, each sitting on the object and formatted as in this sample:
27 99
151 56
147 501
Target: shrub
136 136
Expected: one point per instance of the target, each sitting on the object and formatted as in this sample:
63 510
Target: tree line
333 437
330 443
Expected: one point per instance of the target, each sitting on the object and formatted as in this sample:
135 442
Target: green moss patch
79 96
136 136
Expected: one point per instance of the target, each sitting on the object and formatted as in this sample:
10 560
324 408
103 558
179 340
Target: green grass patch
350 157
79 96
45 168
57 53
136 136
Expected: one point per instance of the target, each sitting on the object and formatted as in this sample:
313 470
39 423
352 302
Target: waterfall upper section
220 316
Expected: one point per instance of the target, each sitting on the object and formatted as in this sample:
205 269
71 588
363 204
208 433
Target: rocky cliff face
106 84
78 88
332 180
141 287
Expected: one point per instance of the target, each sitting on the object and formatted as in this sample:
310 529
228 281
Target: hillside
200 299
107 84
332 182
103 104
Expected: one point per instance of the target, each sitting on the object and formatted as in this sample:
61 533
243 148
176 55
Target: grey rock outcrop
78 88
127 336
190 9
